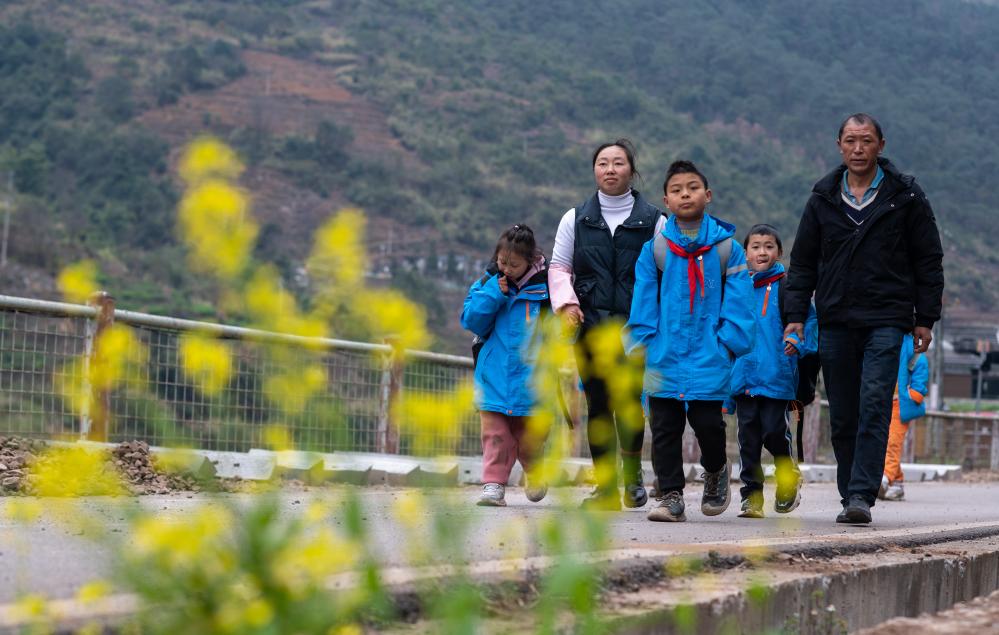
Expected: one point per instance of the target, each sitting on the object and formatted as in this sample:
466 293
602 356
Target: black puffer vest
604 265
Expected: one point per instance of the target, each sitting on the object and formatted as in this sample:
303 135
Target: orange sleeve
916 396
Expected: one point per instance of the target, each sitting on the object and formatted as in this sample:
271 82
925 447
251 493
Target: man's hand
921 338
504 287
795 328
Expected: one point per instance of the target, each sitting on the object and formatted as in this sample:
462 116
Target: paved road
46 557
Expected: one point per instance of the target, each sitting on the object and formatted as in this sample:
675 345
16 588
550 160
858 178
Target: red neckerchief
767 282
695 274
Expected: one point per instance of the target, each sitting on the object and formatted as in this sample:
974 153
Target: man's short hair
863 119
683 167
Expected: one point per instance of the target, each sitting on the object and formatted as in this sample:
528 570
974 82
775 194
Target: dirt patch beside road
130 461
979 616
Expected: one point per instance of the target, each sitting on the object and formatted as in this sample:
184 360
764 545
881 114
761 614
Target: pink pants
504 441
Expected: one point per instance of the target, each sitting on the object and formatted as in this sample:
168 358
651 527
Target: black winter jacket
886 272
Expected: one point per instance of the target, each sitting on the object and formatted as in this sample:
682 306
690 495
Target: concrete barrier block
434 473
255 467
574 471
469 469
306 466
184 462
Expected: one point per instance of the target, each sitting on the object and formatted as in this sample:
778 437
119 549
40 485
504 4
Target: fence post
387 440
994 459
811 431
95 418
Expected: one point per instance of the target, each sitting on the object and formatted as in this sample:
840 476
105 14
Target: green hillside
447 121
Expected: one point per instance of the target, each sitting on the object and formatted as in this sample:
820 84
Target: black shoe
634 488
752 506
857 511
788 494
602 500
670 508
717 493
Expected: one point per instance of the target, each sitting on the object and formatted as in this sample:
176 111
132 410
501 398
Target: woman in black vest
591 279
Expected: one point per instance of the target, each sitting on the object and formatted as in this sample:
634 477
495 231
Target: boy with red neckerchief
691 314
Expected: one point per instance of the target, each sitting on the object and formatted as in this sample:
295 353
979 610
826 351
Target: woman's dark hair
683 167
863 119
519 239
629 151
763 229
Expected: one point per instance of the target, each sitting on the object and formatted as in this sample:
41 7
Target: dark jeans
606 427
763 423
669 417
860 368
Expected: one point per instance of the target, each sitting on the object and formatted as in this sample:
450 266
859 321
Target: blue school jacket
503 372
766 371
689 354
911 384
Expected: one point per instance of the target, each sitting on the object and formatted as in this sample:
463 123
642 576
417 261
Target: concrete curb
929 583
366 468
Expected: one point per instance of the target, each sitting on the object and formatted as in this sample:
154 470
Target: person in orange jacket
913 374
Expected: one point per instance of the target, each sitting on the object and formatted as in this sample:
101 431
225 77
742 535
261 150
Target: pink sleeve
560 287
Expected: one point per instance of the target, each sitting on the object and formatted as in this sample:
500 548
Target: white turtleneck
614 209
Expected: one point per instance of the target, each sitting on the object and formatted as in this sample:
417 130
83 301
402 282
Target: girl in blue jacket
691 315
765 381
503 309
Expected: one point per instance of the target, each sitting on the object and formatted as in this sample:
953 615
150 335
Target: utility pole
8 206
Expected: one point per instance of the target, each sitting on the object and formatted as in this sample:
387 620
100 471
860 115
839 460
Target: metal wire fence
42 343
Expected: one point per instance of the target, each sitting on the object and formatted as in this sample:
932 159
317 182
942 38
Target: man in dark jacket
868 247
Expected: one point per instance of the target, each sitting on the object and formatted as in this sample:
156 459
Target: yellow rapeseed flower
74 471
276 437
348 629
391 315
338 257
31 606
433 418
216 226
93 591
292 388
206 361
274 309
78 281
208 158
258 613
24 510
118 354
307 561
185 542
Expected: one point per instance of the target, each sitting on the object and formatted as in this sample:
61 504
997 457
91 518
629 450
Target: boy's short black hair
683 167
763 229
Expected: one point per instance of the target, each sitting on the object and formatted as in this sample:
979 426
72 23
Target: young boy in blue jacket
765 381
691 313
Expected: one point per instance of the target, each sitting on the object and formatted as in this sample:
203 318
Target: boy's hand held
921 338
797 329
504 287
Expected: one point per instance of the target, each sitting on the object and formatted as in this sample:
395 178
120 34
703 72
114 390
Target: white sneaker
895 492
493 495
883 488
